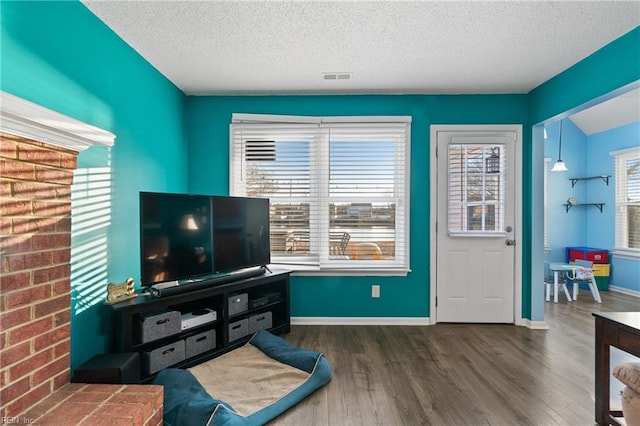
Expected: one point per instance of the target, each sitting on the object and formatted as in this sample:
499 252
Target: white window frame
319 262
620 158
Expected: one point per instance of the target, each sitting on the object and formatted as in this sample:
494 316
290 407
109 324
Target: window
627 177
338 187
476 188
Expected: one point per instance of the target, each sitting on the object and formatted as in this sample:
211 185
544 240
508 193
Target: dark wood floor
454 374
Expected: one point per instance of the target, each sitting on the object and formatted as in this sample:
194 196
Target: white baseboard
421 321
535 325
624 291
413 321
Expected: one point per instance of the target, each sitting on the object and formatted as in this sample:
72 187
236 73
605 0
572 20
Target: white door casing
475 266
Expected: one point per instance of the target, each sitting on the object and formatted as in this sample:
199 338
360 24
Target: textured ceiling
428 47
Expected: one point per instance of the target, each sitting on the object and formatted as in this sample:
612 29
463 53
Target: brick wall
35 239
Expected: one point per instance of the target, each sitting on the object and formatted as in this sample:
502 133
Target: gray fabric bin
238 303
155 325
163 357
261 321
201 342
238 329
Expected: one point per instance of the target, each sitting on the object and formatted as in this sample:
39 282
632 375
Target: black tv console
148 324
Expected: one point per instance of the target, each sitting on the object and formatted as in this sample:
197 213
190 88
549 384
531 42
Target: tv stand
244 303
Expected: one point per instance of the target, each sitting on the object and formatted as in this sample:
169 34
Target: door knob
510 242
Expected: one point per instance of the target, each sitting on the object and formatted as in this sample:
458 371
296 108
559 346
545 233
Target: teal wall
208 121
59 55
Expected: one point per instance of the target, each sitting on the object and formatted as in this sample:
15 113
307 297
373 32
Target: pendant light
559 166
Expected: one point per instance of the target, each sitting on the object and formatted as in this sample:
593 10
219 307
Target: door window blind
338 188
476 189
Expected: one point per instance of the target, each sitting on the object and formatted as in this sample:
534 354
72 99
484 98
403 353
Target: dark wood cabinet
242 307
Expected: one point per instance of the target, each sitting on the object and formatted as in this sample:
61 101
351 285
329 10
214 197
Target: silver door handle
510 242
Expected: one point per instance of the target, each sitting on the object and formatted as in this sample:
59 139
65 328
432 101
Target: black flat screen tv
191 237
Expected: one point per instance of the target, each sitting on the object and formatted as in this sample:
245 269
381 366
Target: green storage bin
602 283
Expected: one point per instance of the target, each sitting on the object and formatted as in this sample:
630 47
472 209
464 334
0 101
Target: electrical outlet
375 291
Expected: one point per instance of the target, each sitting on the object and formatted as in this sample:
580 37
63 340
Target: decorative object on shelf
559 165
572 201
493 161
117 293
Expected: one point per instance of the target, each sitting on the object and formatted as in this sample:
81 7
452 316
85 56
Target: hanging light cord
560 143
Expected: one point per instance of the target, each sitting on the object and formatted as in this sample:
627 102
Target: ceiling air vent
336 75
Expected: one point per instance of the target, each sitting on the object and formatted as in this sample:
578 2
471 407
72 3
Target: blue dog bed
188 402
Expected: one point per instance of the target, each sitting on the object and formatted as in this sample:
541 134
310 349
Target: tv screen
240 233
185 237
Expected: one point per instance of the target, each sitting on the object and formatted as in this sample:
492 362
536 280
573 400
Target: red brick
30 225
14 317
6 226
52 305
10 282
35 190
53 273
8 148
39 155
24 402
14 390
15 244
58 419
27 365
50 370
29 331
63 348
51 241
53 337
63 224
103 388
17 170
157 419
24 261
62 318
6 188
14 207
15 354
27 296
51 208
98 420
133 411
51 175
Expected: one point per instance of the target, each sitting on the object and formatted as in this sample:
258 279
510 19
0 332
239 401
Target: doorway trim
433 204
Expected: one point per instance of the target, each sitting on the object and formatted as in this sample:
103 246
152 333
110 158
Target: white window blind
338 187
476 189
627 181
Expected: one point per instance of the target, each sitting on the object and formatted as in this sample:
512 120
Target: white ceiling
428 47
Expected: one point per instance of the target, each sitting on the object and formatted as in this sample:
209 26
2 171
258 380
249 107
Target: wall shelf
598 205
605 178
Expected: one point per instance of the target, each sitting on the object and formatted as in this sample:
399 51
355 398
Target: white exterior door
475 226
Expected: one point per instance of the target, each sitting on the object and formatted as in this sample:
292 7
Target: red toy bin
594 255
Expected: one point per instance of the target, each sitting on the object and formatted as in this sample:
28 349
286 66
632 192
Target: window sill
624 253
314 270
